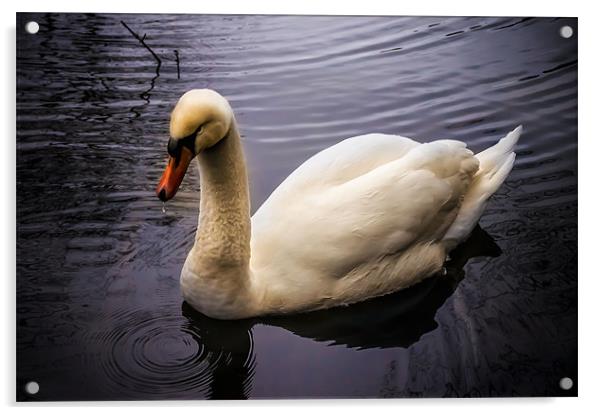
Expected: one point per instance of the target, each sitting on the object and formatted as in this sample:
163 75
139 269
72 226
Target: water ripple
160 357
98 261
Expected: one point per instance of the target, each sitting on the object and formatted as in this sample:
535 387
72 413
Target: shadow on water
395 320
230 345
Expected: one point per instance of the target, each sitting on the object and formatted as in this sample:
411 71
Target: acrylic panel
101 313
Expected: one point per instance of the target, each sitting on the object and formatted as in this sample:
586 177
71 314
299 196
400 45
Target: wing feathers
333 222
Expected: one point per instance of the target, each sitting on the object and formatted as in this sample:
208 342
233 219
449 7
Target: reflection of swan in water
395 320
229 346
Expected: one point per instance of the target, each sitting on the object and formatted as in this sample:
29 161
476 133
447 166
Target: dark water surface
99 309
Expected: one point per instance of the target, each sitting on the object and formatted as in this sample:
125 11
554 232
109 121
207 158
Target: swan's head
200 119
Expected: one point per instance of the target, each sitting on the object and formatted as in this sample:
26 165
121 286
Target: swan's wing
348 159
335 165
407 200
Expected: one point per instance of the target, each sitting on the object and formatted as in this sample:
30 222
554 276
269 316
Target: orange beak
173 175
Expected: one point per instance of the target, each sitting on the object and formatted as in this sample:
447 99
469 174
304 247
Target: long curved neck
224 229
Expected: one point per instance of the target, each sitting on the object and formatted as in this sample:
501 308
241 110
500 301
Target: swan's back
368 216
347 160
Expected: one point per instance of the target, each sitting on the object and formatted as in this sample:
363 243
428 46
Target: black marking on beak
190 140
174 147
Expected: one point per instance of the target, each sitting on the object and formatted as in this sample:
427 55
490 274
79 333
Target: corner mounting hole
32 388
32 27
566 32
566 383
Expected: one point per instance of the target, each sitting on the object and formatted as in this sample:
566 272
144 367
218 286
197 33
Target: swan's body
368 216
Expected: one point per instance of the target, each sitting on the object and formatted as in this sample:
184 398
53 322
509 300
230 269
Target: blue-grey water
99 312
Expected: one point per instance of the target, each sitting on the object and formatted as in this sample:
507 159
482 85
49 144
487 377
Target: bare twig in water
177 61
141 40
146 94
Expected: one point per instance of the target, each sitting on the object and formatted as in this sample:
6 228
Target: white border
590 153
349 7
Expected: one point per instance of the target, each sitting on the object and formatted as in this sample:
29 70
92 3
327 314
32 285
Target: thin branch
141 40
177 61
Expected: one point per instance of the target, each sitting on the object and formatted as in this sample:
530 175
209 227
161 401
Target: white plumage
368 216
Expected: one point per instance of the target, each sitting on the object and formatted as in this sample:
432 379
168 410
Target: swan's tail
495 164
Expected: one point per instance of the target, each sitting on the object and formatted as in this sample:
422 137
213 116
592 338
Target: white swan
368 216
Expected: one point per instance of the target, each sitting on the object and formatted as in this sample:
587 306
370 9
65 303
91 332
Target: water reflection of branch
146 94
